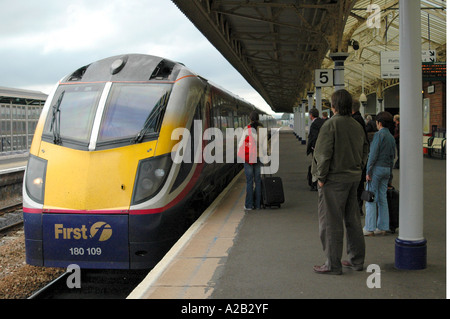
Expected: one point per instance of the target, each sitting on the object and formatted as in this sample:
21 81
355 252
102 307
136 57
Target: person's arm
373 155
323 153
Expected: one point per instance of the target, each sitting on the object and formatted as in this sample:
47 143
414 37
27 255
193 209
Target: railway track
11 181
94 284
10 217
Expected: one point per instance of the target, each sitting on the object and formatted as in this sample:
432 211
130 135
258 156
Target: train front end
96 188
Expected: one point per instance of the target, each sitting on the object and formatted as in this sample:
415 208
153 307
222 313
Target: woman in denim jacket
379 166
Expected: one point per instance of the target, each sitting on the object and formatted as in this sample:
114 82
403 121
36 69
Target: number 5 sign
324 77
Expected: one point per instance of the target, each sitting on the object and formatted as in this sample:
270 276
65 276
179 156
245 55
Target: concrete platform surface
269 253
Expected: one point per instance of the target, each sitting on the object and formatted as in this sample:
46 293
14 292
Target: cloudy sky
42 41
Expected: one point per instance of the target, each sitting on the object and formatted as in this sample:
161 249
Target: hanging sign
324 78
390 64
429 56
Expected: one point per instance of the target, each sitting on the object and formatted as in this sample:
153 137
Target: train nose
87 181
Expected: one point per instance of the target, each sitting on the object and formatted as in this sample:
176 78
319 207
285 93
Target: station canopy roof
20 96
277 44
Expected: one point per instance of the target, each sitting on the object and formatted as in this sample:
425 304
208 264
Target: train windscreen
72 113
133 110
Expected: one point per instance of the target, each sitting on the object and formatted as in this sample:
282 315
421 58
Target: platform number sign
324 77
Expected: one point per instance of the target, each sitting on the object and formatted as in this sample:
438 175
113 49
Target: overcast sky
42 41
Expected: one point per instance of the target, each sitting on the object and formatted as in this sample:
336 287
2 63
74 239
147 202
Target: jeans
253 175
378 185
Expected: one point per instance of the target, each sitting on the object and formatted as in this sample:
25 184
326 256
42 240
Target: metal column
296 123
319 100
339 59
380 107
310 105
302 122
410 246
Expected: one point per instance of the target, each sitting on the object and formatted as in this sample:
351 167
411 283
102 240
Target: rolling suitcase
393 205
272 191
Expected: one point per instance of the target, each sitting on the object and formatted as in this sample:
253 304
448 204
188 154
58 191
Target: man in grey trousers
339 157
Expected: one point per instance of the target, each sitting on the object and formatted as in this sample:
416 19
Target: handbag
367 195
247 151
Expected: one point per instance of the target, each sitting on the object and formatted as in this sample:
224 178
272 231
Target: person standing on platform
379 170
358 117
371 127
339 157
253 170
316 124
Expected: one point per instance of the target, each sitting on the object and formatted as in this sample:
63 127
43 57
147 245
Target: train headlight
160 172
35 178
38 181
151 175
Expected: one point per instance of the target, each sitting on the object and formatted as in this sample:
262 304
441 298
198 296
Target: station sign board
434 71
324 77
429 56
390 62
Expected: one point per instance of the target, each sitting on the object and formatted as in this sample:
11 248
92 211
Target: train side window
223 122
208 115
236 119
198 110
217 120
186 166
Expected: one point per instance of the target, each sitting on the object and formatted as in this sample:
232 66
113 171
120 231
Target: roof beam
276 45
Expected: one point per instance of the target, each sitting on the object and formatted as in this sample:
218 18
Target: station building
19 114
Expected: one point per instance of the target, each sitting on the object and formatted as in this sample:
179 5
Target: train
101 188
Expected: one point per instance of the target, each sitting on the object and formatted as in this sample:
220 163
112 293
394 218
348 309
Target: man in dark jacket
339 156
356 114
316 124
358 117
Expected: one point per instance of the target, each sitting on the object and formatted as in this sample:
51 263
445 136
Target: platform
269 253
13 162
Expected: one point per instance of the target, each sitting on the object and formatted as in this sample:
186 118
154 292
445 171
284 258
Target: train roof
127 67
137 67
235 96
